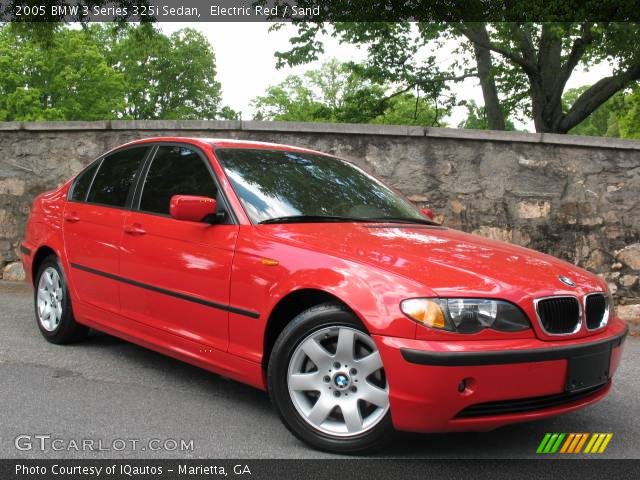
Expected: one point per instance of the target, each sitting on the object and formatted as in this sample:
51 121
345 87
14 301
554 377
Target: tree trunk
548 77
543 122
492 107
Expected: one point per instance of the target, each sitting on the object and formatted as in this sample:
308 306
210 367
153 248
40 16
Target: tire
352 425
52 301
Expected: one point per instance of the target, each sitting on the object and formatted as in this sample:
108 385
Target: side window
175 171
82 183
115 177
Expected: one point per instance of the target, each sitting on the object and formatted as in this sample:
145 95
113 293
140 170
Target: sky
246 64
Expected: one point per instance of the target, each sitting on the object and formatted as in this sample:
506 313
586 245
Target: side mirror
192 208
427 212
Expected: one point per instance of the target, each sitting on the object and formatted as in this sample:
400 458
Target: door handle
135 229
71 217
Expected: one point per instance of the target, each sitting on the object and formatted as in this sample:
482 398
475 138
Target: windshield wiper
313 219
420 221
337 218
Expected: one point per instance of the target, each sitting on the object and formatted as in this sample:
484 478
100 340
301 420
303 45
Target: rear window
115 177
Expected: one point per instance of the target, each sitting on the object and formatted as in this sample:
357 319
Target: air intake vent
559 315
526 404
596 310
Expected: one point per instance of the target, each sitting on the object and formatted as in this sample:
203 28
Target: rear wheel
327 381
53 305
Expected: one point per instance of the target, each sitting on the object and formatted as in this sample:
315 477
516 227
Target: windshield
278 185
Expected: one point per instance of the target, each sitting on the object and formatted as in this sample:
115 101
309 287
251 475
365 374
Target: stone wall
577 198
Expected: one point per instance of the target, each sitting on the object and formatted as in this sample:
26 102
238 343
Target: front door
176 273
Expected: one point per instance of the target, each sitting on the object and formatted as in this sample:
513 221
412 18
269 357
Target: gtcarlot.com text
52 443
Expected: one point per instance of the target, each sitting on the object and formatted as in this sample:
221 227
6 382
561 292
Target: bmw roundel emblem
567 281
341 381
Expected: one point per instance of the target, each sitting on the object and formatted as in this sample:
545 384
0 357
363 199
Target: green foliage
617 117
630 122
227 113
477 118
604 122
167 77
338 92
68 80
407 109
105 71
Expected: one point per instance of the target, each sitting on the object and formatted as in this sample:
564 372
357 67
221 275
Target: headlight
465 315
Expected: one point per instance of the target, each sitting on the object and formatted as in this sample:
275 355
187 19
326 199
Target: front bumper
506 381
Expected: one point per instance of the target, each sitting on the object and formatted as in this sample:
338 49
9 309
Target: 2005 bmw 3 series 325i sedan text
300 274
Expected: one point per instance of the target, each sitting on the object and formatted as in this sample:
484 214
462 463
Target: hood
444 260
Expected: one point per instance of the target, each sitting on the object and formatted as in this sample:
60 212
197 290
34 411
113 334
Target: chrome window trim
605 316
580 315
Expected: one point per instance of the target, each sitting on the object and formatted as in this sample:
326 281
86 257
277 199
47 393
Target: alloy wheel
337 383
50 297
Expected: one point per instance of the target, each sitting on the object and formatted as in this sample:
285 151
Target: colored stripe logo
573 443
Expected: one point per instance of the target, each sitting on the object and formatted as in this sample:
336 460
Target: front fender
371 293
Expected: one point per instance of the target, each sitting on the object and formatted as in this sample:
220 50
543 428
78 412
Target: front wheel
327 381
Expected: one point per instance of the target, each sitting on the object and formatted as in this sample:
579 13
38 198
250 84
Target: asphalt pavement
113 395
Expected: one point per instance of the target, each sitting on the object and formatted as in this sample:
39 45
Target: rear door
93 221
177 272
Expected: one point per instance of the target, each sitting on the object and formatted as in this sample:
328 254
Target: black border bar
171 293
501 357
541 466
317 11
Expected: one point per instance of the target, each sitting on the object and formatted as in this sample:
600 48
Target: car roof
223 143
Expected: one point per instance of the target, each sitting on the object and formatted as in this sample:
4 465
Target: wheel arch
288 307
43 252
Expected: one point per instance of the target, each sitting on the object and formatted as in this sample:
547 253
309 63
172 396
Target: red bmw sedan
298 273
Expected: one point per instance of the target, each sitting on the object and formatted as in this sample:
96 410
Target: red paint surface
191 208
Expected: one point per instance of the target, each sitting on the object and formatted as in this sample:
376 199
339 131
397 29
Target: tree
70 80
107 71
604 121
408 109
477 118
523 67
338 92
228 113
617 117
167 77
630 122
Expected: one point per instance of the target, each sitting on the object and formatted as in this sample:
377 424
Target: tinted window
175 171
115 177
274 183
82 183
